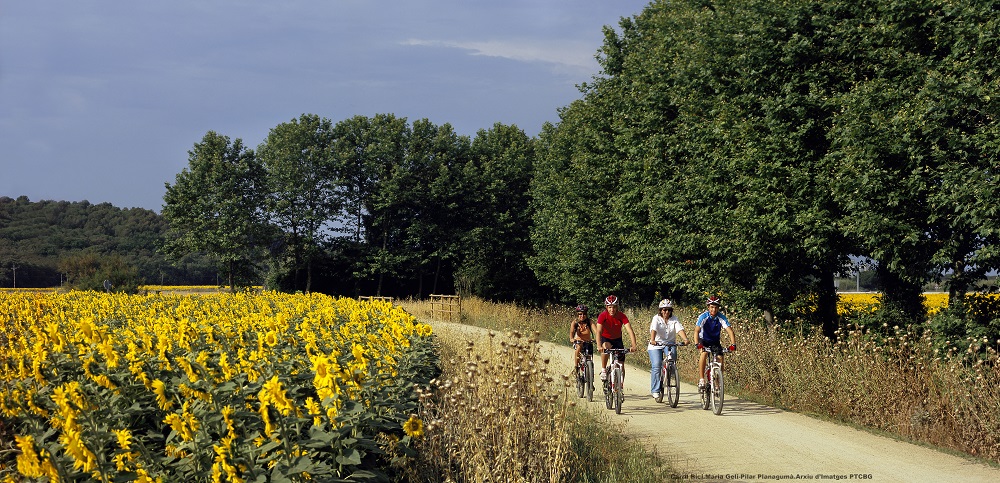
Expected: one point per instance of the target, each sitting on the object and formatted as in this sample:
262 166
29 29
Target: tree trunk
309 274
901 296
958 286
826 304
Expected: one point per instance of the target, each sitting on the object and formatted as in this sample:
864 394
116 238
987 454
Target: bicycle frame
669 380
614 394
714 392
585 370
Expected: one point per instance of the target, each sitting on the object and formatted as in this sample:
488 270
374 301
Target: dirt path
753 442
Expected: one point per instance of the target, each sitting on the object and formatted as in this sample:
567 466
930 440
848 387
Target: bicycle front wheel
580 381
589 380
705 393
672 386
718 389
619 395
608 395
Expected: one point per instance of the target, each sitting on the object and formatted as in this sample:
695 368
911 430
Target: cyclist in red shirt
609 331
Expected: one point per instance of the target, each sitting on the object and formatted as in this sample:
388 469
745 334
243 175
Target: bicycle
669 380
585 370
713 394
614 394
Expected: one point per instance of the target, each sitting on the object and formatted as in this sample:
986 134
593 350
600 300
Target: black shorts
717 346
618 343
586 347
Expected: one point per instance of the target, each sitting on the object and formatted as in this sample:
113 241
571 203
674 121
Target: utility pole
13 268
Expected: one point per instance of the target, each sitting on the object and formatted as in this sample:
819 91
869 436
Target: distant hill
35 236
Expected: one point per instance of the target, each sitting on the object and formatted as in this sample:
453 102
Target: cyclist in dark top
708 333
581 330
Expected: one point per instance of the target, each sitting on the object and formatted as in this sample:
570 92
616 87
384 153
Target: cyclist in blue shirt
708 333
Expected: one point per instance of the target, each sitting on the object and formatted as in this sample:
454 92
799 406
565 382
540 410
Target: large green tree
369 151
215 206
428 191
916 145
305 194
497 245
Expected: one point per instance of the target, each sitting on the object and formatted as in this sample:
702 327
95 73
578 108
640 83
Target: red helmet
713 300
611 300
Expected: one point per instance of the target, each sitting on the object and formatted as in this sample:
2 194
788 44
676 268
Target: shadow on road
636 404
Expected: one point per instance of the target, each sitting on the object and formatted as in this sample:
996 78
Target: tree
497 245
368 151
215 206
304 193
915 146
426 194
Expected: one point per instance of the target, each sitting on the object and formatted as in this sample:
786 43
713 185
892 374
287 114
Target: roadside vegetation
915 383
500 413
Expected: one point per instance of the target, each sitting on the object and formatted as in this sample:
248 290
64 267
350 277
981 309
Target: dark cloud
101 101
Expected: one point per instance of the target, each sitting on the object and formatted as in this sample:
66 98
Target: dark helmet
714 300
581 308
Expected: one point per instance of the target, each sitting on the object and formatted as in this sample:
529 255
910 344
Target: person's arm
683 336
572 331
732 336
697 335
597 334
631 334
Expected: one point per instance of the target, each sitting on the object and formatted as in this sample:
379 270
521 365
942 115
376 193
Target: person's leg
655 365
604 360
701 369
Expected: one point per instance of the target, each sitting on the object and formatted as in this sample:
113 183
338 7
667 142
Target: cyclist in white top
663 330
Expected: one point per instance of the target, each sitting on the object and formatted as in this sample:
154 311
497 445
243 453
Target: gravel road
753 442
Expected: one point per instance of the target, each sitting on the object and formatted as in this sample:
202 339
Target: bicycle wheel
619 394
663 384
672 386
704 392
589 380
718 389
580 376
608 396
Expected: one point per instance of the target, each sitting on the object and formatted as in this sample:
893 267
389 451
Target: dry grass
499 413
897 383
900 385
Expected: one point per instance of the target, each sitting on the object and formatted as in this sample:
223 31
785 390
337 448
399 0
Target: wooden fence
384 299
446 307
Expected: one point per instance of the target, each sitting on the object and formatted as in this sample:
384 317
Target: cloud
576 55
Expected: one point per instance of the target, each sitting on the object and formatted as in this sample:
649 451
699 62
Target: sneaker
658 397
604 375
701 384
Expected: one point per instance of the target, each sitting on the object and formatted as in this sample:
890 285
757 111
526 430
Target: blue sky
101 101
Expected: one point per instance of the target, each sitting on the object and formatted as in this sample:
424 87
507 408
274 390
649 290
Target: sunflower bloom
414 427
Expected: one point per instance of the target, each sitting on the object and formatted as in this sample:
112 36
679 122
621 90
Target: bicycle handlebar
613 351
675 344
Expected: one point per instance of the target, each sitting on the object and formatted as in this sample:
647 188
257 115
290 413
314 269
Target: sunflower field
215 387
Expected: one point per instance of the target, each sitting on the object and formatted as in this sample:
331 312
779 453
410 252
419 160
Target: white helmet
666 304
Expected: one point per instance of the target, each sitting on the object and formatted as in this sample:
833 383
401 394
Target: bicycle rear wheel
718 389
589 380
619 396
672 386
